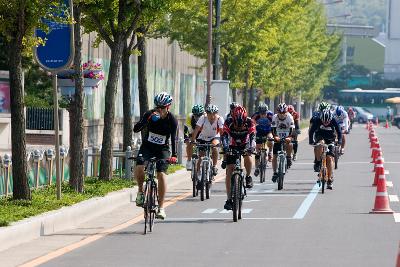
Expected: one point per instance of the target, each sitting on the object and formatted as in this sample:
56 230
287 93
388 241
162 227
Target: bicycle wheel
336 156
203 180
153 205
323 181
194 177
235 196
208 183
281 173
241 196
262 167
146 207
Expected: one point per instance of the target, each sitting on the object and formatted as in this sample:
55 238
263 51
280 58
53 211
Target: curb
62 219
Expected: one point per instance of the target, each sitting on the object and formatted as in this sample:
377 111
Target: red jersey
239 137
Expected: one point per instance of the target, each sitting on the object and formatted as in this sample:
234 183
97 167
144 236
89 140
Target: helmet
239 116
163 99
212 109
323 105
333 108
290 109
263 108
339 111
350 108
282 108
234 105
198 110
326 116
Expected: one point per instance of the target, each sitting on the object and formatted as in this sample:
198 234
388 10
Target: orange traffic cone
379 170
387 124
375 146
379 160
376 122
382 197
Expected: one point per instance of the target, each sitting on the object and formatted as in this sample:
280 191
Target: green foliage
174 168
44 199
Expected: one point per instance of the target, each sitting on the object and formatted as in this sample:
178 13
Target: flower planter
71 83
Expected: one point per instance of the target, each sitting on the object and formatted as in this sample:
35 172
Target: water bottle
155 117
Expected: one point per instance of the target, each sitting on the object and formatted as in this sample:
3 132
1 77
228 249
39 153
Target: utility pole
217 65
209 58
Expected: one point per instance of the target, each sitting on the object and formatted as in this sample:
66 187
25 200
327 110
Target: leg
162 188
139 174
270 146
229 170
215 152
248 165
189 151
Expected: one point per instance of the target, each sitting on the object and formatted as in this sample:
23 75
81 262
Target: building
392 52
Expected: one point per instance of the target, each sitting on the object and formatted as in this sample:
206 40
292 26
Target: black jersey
328 132
158 133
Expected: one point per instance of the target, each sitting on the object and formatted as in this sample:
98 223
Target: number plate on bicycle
156 138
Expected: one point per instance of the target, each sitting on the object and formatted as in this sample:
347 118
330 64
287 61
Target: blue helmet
339 111
163 99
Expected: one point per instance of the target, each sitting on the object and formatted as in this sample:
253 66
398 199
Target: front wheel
235 187
194 178
204 173
208 183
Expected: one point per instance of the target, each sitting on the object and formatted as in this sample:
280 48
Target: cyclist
228 116
326 129
263 120
352 116
316 114
208 128
282 128
296 132
160 125
238 134
191 120
342 119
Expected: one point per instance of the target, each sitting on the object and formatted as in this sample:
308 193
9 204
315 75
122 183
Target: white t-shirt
208 130
283 126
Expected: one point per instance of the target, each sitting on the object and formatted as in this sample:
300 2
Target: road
297 226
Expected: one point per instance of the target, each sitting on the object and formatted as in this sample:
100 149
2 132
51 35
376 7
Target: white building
392 51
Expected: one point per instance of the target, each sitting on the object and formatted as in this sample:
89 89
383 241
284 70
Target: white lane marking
302 211
263 190
225 211
221 219
389 183
253 200
208 211
396 217
393 198
245 211
268 195
387 172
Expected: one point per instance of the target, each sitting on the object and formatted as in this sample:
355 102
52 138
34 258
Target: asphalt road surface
297 226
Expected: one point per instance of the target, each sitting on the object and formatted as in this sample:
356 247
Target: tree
18 19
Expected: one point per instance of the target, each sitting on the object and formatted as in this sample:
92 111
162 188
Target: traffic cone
376 122
387 124
375 146
379 170
382 197
379 160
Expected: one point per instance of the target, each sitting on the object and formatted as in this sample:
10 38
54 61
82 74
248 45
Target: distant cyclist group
269 136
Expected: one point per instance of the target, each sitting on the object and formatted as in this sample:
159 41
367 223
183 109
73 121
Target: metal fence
39 118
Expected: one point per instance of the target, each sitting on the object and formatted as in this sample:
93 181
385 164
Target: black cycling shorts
200 141
329 141
261 137
147 151
277 147
231 159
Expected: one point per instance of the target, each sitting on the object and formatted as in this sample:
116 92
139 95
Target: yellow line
59 252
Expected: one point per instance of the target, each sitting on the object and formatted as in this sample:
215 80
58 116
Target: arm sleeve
312 131
338 131
142 122
174 131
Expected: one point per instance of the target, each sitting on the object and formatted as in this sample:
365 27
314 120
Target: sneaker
161 214
139 199
215 171
294 157
270 157
274 177
289 162
329 184
317 166
228 205
256 172
189 165
249 182
223 164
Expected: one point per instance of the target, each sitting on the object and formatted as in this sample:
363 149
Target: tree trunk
245 89
76 112
19 168
109 111
126 99
142 76
225 76
251 100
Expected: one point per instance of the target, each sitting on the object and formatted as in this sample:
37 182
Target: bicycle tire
262 167
194 178
208 184
336 157
203 181
153 205
235 195
323 182
146 208
241 194
281 173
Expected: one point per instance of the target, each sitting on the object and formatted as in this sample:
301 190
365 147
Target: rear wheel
146 207
323 177
153 206
336 157
235 196
194 177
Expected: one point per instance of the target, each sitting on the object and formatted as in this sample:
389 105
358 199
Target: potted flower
92 74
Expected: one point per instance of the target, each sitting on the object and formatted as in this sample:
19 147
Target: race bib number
156 138
283 134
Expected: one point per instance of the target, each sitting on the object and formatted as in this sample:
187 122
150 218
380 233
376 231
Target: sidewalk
179 184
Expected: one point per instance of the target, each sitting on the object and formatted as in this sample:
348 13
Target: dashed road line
396 217
246 211
389 183
225 211
208 211
305 206
393 198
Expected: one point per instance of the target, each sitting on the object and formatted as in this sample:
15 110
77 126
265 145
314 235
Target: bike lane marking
396 217
208 211
305 206
393 198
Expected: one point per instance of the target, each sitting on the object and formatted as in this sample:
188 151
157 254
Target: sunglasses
165 107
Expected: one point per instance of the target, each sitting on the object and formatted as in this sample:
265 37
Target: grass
44 199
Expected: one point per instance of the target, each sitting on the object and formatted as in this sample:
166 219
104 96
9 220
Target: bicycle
263 164
238 188
193 173
336 154
282 166
323 173
150 191
206 171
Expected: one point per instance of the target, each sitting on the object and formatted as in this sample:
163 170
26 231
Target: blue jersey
263 125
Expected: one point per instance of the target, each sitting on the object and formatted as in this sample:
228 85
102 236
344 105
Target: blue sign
57 53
